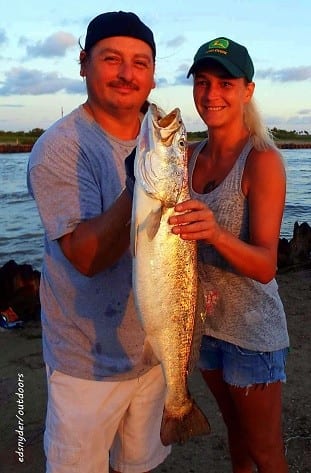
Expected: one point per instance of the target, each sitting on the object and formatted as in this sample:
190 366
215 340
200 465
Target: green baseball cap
232 56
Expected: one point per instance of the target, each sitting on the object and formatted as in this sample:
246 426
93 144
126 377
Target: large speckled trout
165 277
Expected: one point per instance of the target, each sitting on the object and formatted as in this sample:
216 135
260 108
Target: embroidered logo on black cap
221 43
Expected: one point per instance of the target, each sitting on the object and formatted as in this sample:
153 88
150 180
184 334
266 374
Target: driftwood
19 291
297 250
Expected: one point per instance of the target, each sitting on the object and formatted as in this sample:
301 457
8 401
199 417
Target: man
104 402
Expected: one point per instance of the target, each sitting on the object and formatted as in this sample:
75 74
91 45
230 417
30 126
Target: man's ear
82 63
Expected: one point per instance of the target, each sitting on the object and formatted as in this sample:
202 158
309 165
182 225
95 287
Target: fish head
161 158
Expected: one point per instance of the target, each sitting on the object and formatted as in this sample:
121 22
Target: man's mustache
123 83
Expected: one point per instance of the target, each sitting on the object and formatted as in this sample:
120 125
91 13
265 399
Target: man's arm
99 242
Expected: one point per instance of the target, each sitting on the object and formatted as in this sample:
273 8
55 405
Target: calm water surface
21 235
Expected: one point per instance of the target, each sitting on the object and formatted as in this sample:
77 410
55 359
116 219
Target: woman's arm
264 185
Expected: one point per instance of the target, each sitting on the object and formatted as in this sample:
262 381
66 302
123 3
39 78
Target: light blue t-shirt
90 326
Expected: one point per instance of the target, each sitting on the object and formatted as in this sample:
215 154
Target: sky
39 52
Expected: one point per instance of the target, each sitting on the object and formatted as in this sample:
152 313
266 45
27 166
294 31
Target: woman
238 191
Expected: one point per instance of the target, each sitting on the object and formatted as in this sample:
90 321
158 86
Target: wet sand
22 371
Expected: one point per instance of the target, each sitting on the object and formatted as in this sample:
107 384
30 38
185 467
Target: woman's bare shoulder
265 158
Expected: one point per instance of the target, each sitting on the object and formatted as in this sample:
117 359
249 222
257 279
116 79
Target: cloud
3 36
11 105
294 122
305 111
181 79
21 81
161 82
55 45
176 42
291 74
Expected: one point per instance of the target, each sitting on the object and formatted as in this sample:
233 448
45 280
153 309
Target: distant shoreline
293 145
26 148
15 148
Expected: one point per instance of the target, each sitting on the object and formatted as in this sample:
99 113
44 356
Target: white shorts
90 423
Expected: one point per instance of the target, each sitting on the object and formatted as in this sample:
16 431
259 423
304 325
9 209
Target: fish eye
181 143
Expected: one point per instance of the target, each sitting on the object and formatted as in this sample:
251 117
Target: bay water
21 233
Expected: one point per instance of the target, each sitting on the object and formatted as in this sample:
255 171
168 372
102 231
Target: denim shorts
242 367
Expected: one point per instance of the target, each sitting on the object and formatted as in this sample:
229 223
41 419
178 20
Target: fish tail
181 429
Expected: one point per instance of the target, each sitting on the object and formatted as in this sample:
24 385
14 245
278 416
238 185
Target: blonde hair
261 137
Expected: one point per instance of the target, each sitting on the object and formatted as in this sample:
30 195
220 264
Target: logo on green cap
220 43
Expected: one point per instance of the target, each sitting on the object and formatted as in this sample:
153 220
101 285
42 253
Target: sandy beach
23 397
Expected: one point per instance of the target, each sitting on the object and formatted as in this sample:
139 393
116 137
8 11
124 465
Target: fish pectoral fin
149 357
152 222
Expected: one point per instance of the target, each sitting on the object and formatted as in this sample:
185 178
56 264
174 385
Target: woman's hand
195 222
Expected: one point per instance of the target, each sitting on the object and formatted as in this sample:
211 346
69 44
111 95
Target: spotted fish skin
165 281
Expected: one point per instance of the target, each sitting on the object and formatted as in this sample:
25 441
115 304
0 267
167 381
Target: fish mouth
167 125
168 119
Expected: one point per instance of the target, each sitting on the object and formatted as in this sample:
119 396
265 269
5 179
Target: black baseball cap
232 56
118 23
